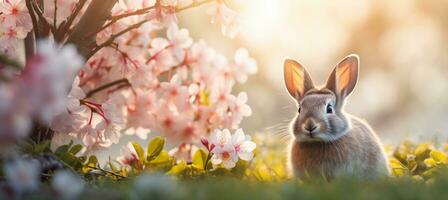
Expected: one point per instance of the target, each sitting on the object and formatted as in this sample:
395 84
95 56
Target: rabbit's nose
311 127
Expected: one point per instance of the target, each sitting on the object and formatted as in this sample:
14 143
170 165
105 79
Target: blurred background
403 86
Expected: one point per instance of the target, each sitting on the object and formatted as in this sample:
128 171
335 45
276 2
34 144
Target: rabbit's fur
327 141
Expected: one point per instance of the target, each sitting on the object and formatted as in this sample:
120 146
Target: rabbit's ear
297 79
343 79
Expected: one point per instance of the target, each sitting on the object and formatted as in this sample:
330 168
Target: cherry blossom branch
30 45
106 171
105 86
55 12
40 14
115 18
115 36
93 19
33 17
126 57
194 4
65 25
137 25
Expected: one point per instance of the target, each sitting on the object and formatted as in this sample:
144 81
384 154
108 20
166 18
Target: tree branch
194 4
93 19
121 16
108 172
30 45
105 86
137 12
114 36
33 17
65 25
46 26
55 14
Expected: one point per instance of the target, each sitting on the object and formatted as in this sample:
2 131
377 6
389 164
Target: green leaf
139 150
178 169
199 159
422 151
9 62
64 148
430 162
27 146
71 160
91 163
111 165
163 158
155 146
439 156
76 149
82 158
429 173
42 147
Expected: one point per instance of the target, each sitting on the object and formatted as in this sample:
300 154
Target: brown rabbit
328 141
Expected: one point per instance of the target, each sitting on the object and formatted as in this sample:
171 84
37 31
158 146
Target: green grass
419 171
163 187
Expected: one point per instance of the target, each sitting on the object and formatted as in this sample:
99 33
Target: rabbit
328 142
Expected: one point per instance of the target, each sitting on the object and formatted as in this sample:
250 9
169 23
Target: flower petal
246 155
248 146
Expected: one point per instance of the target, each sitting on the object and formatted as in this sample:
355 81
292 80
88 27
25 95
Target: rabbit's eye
329 109
299 109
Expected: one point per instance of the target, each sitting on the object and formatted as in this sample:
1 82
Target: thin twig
55 13
39 13
65 25
134 26
106 171
115 36
194 4
94 17
121 16
33 18
105 86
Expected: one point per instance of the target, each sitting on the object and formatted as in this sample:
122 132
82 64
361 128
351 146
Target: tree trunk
84 33
84 38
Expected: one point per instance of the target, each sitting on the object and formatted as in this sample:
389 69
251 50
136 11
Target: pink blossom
179 41
175 92
129 156
161 55
229 19
178 88
239 108
243 145
113 109
16 11
183 152
140 110
224 152
244 65
15 121
228 148
71 119
64 9
40 75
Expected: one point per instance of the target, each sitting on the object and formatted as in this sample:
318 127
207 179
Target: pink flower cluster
15 23
167 83
227 149
40 91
